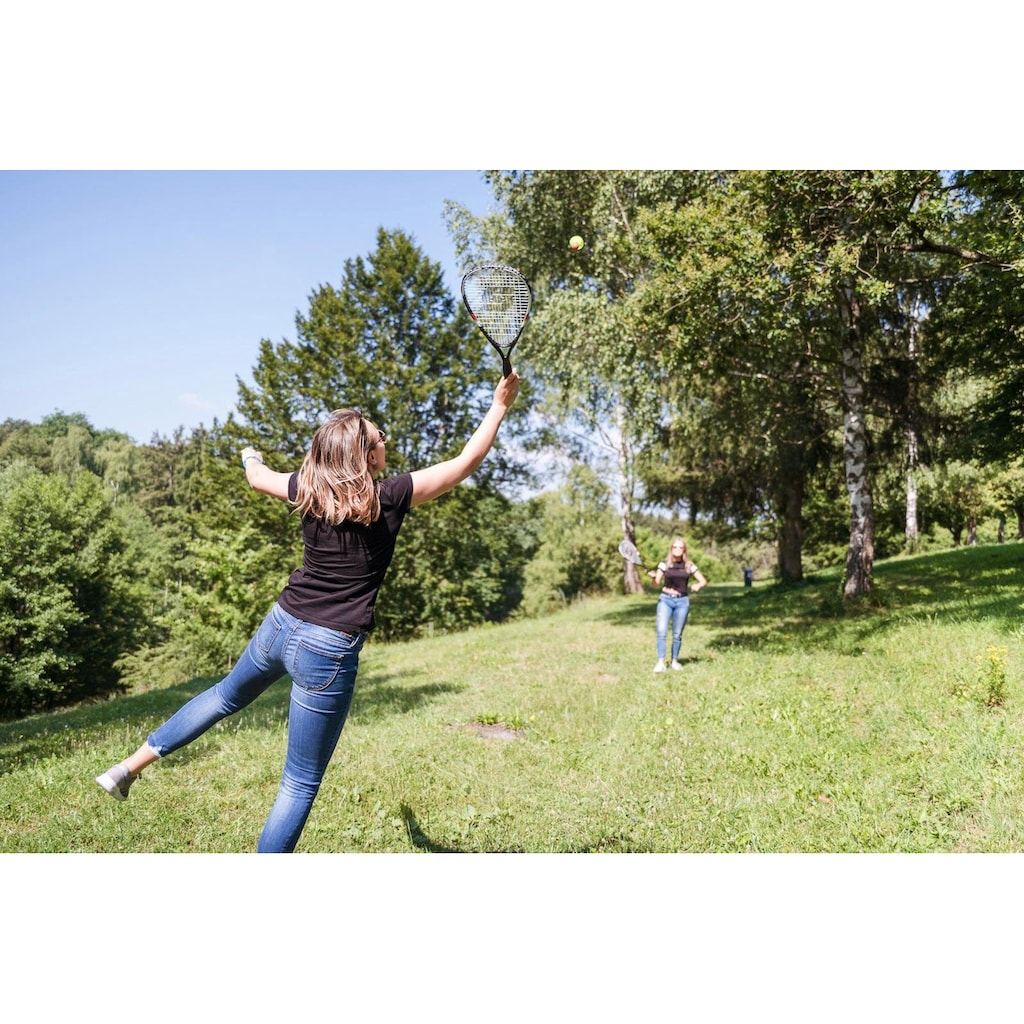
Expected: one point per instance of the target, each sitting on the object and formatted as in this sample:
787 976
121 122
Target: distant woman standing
673 576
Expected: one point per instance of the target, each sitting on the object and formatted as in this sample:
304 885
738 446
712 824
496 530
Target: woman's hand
260 477
507 389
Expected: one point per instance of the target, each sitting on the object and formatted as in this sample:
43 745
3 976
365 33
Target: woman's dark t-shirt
677 575
343 566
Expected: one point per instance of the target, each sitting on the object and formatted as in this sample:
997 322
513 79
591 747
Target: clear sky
138 297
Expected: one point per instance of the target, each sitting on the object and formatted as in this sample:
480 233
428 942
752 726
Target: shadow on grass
29 740
49 734
379 695
419 838
421 841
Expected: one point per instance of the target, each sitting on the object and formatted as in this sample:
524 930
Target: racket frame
505 351
631 553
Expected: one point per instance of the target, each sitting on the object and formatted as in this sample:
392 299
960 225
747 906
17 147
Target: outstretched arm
262 479
434 481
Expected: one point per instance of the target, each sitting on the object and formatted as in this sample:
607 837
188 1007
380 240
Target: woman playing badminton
673 576
317 627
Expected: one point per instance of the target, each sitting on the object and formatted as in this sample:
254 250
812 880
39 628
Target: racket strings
499 301
630 553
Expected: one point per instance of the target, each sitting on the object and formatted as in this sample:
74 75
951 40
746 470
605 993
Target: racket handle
506 366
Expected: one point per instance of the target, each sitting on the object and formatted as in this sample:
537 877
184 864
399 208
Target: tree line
815 367
756 346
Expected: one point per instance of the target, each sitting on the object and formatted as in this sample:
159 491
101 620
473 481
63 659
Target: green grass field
797 725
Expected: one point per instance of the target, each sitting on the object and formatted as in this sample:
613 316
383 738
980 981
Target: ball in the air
575 243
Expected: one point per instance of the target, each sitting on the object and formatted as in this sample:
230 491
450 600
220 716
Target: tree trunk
911 532
631 582
860 555
791 535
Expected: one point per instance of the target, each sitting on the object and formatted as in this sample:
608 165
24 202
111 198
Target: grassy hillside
797 725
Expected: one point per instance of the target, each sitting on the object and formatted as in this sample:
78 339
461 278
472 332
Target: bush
67 603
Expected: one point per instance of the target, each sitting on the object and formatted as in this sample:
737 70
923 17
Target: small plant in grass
514 721
994 676
989 686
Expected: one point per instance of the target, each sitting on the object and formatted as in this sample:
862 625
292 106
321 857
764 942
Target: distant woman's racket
630 553
498 299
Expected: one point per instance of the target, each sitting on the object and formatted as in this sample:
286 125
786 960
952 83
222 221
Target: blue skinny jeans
676 609
322 664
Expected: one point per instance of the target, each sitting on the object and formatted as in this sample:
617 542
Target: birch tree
591 346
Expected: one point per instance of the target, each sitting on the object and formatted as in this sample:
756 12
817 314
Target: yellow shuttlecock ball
575 243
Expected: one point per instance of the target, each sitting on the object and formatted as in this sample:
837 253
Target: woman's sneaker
660 667
677 666
116 781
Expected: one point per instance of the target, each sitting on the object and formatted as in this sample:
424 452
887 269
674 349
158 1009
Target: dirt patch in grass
495 731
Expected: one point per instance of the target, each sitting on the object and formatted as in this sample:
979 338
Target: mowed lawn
798 725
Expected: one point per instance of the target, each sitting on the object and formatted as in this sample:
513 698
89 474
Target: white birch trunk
624 470
860 555
910 530
911 522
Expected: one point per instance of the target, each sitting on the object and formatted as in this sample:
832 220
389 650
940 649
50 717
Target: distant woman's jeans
676 609
322 664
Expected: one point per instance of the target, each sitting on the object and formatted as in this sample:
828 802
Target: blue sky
138 297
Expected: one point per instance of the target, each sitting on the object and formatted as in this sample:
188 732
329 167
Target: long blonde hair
335 480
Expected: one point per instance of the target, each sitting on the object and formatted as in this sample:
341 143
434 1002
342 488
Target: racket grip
506 366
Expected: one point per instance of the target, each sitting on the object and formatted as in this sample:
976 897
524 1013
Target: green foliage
994 682
69 444
576 553
958 495
216 615
977 327
690 355
388 340
68 601
458 563
724 332
596 350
